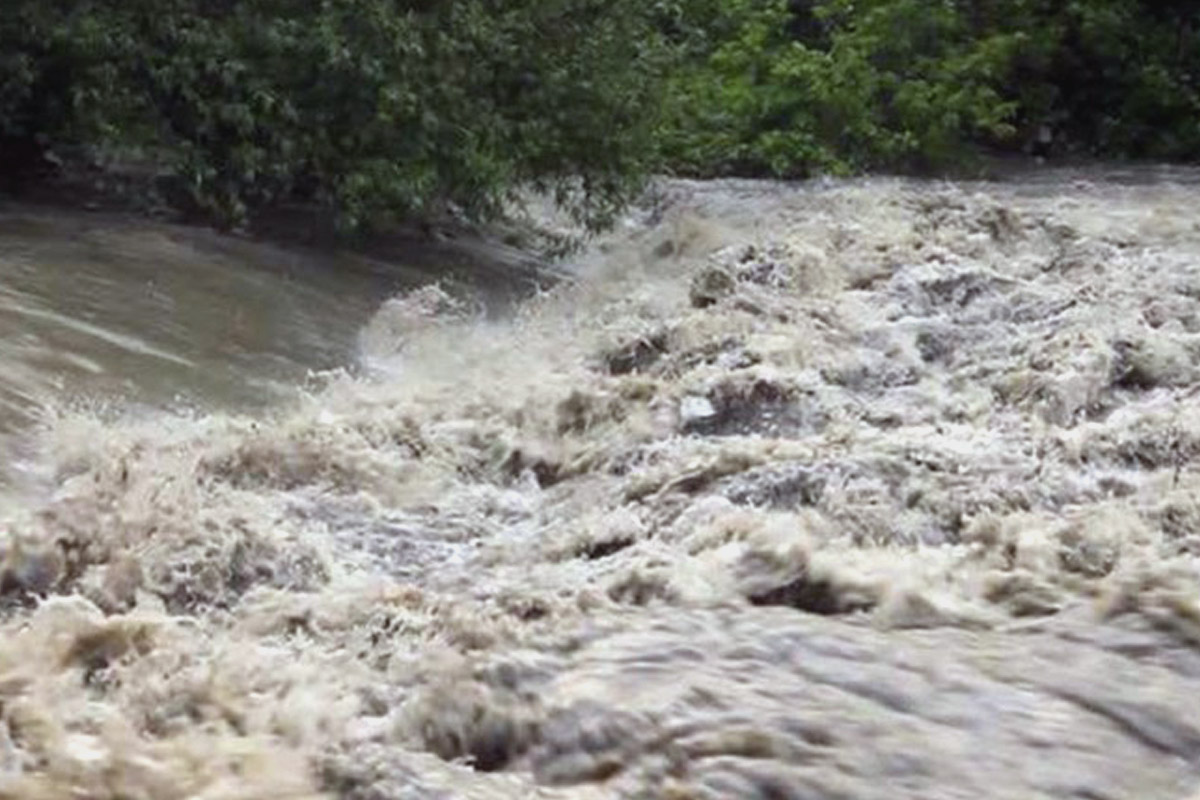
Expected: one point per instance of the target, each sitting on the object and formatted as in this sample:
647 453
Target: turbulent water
876 489
119 315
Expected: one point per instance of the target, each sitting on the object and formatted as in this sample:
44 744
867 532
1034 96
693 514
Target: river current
845 489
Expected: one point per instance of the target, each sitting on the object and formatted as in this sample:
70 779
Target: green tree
372 108
791 87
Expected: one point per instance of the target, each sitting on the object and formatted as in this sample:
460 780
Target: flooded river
867 489
122 316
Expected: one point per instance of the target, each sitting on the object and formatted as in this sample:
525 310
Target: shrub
790 88
372 108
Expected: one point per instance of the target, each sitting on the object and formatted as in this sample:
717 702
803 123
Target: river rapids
869 489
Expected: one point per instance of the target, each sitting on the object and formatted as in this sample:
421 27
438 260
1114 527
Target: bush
782 88
381 109
839 86
372 108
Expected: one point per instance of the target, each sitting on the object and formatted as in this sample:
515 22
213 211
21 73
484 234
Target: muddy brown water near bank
869 489
124 315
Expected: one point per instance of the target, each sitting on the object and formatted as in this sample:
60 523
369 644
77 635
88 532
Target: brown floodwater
848 489
120 316
111 309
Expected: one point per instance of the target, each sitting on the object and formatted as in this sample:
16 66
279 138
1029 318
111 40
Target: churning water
873 489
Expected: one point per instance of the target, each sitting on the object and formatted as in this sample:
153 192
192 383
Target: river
120 316
845 489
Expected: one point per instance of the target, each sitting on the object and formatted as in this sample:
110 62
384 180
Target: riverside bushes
382 109
789 88
372 108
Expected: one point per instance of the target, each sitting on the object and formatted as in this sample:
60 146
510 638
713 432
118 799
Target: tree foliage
379 109
789 88
373 108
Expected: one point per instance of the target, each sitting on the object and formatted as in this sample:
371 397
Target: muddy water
875 489
111 307
122 316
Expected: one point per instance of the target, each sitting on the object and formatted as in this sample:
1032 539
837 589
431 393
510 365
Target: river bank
877 488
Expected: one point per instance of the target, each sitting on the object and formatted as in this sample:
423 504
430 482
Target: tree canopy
373 108
382 109
785 87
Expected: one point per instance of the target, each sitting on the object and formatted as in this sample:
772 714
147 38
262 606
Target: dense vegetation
789 88
378 109
373 108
